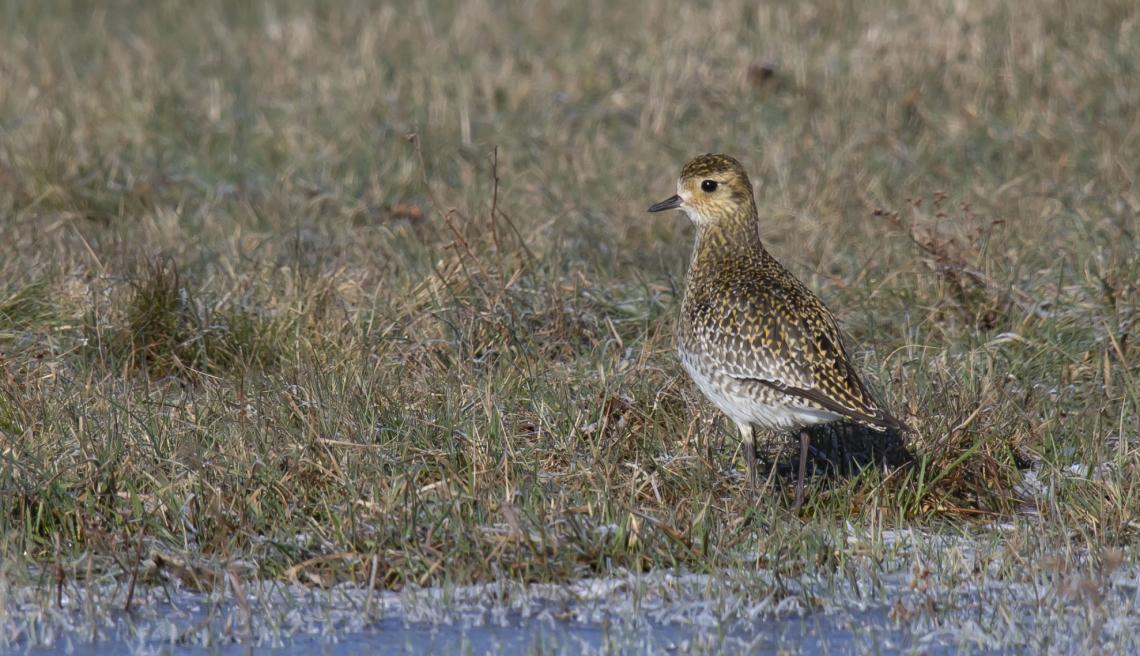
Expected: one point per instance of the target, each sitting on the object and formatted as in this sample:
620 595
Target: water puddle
965 601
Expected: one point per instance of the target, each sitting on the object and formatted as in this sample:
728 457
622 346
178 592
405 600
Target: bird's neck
728 238
724 250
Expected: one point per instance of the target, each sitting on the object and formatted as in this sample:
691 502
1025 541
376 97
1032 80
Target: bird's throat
731 238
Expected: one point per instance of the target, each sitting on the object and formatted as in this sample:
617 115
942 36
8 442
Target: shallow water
929 594
866 631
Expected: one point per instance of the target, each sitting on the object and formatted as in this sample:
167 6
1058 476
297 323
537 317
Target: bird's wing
837 387
792 344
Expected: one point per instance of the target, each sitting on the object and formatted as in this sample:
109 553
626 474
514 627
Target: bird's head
712 188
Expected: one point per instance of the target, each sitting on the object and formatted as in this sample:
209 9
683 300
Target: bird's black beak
671 203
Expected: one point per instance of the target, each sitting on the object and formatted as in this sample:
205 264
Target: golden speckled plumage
758 342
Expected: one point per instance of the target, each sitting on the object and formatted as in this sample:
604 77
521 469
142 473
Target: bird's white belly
745 409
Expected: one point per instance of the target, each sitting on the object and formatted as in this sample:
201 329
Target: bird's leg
748 438
838 453
804 439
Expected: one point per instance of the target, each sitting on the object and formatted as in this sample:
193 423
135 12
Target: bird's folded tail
871 416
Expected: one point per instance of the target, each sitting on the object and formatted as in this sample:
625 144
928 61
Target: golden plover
758 343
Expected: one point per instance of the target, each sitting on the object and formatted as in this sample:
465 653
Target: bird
758 343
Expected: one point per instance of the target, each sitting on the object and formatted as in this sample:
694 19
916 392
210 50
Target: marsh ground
363 294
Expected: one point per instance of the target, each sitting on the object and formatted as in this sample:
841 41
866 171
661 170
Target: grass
369 293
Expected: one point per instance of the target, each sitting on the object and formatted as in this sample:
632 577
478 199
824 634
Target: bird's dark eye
708 186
